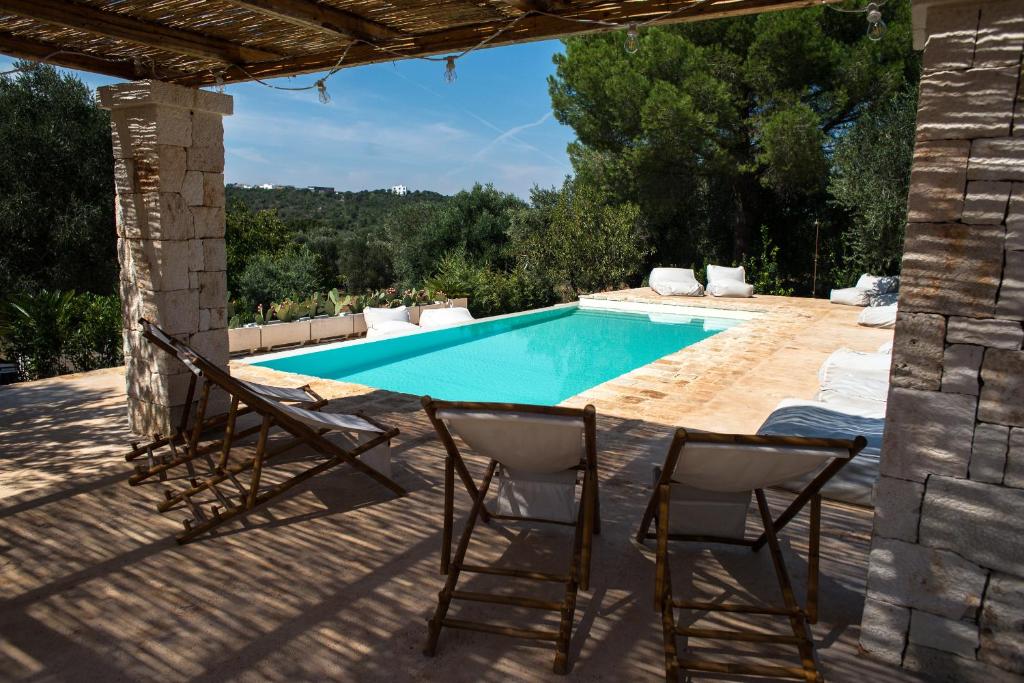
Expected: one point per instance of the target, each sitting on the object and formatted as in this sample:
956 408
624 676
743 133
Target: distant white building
265 186
399 189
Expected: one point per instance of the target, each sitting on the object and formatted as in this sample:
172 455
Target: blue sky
401 123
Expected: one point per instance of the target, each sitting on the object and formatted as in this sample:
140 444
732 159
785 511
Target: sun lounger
675 282
540 455
847 374
437 318
729 282
702 495
387 322
883 317
232 487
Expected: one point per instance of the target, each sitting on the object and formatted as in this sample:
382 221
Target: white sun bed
852 375
387 322
437 318
729 282
883 317
675 282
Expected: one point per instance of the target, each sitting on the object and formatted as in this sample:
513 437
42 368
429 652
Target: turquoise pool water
543 357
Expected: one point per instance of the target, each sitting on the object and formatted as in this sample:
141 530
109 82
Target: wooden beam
119 26
326 18
530 28
23 48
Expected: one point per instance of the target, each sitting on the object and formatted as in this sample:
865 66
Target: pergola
946 579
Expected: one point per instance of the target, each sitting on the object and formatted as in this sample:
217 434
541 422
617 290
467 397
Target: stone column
169 176
945 592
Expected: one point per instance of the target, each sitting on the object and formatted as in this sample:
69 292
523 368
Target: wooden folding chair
366 442
538 453
702 494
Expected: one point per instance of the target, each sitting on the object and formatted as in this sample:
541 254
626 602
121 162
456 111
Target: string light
218 81
449 70
632 39
321 91
876 27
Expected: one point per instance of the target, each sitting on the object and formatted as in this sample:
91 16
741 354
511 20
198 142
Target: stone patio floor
335 581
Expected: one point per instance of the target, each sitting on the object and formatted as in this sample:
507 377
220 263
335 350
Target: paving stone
997 334
1000 34
883 632
1002 623
961 364
917 445
937 181
1002 391
897 508
958 637
937 666
996 159
980 522
930 579
952 269
1014 475
952 33
991 92
988 453
918 351
986 202
1011 292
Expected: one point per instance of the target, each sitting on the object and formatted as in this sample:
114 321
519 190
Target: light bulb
321 91
632 39
449 70
218 81
876 27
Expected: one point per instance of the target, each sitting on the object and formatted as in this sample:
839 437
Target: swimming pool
539 357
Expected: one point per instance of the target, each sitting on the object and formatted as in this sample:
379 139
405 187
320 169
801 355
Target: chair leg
444 598
661 497
813 560
449 514
561 665
668 632
797 619
589 513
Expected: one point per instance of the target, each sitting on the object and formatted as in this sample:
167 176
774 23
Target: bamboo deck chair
702 495
539 454
366 442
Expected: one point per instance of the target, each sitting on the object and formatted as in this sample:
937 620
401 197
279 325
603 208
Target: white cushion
720 273
850 296
878 284
731 288
375 316
436 318
856 375
886 348
884 299
675 282
390 328
878 316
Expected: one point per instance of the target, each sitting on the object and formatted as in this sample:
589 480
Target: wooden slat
113 25
743 636
321 17
514 600
23 48
727 607
528 633
516 573
694 664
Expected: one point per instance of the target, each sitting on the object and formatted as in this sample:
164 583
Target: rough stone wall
945 589
169 177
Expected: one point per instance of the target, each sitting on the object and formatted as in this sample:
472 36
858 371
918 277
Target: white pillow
375 316
879 316
885 299
878 284
722 273
675 282
390 328
730 288
850 296
436 318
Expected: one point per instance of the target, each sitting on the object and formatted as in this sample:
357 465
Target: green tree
56 185
293 272
250 235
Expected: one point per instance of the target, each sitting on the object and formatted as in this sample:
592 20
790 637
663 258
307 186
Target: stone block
138 93
883 630
167 264
897 508
1011 292
333 326
211 344
1015 216
1014 475
204 319
952 269
285 334
952 32
214 254
207 129
980 522
151 124
988 453
1002 391
991 92
937 181
1002 623
956 636
244 339
213 189
937 666
139 351
195 258
997 159
929 579
927 433
192 188
208 158
124 176
213 289
961 365
218 317
162 170
213 102
1000 34
917 351
146 418
986 202
208 220
177 312
997 334
161 389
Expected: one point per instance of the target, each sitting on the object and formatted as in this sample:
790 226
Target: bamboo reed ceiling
193 42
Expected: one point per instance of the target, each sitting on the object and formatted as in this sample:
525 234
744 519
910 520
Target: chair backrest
523 438
179 349
725 274
733 463
672 275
